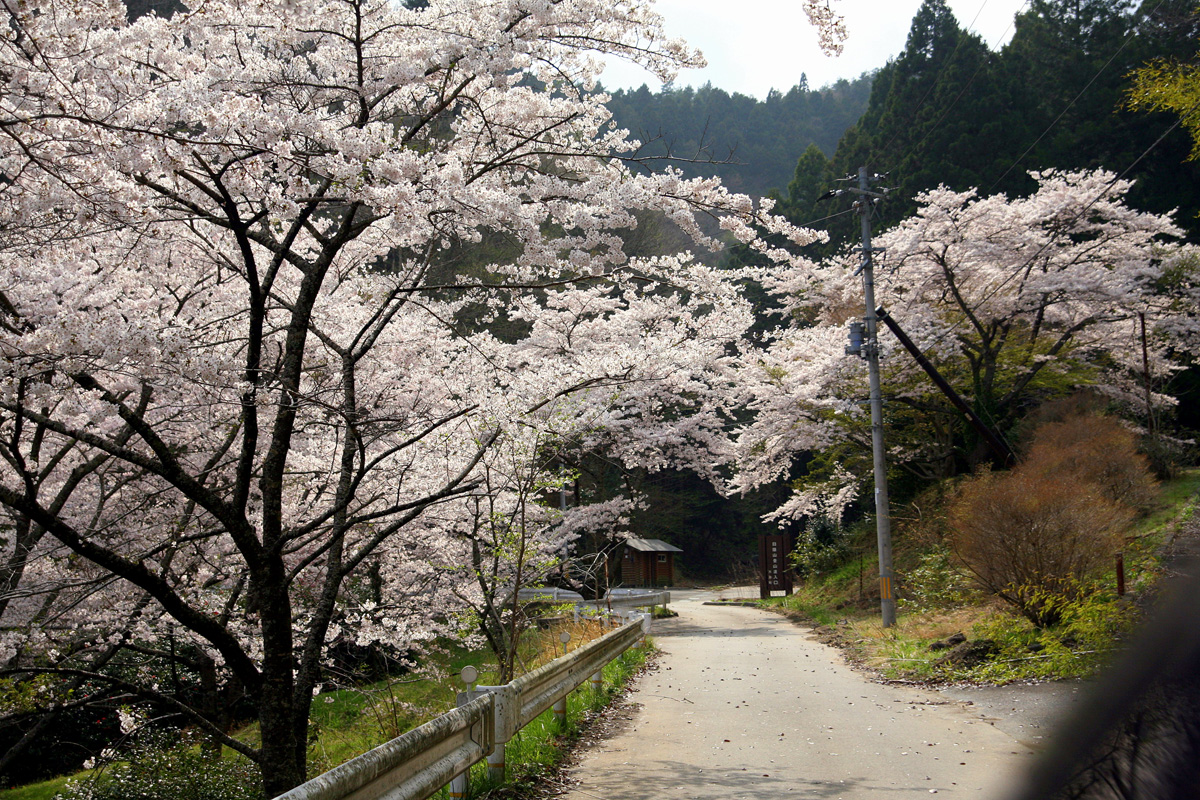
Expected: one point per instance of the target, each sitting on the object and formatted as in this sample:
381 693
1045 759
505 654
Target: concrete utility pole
883 520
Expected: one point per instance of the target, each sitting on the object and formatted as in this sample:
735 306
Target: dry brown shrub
1032 539
1095 450
1035 535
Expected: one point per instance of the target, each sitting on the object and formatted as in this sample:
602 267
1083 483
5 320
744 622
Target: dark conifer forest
947 110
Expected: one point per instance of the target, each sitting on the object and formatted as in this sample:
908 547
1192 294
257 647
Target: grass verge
540 747
939 605
44 790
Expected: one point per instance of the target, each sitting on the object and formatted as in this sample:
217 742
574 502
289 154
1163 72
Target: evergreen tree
948 111
932 115
812 172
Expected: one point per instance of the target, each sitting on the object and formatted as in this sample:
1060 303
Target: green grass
45 790
1176 494
348 722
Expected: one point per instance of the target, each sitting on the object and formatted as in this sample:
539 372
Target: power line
1050 127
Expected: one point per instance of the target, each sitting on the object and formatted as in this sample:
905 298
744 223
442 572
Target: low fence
417 764
615 600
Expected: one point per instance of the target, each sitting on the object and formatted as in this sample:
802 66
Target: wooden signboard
775 574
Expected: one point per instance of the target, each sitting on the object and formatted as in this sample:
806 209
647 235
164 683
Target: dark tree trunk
283 758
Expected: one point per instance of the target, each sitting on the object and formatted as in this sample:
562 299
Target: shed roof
651 545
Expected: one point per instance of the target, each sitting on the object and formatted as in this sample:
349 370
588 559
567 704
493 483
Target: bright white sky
753 46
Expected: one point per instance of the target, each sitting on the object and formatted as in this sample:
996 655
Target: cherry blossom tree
636 369
232 392
1016 300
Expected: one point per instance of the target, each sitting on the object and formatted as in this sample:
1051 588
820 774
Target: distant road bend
746 704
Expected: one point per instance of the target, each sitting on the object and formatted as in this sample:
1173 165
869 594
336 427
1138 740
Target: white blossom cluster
1015 300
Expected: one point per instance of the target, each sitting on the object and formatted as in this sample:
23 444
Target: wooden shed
647 562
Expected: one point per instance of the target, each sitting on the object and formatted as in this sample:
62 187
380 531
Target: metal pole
495 764
460 784
883 522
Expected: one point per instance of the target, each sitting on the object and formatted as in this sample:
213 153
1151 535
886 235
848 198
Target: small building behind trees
647 562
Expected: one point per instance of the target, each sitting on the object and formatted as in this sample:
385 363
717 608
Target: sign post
774 572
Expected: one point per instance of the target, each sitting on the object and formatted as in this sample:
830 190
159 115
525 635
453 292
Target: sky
753 46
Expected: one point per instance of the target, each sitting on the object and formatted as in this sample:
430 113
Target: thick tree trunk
283 757
281 770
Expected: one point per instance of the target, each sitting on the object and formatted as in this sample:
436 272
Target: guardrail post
461 783
458 785
495 764
507 709
560 711
644 619
597 679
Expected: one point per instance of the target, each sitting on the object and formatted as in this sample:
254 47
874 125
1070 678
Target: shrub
820 548
1035 535
1030 538
159 766
935 582
1098 451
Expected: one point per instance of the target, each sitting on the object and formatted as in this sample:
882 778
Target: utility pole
870 348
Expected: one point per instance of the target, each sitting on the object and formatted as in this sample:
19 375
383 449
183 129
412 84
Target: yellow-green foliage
1170 86
1088 635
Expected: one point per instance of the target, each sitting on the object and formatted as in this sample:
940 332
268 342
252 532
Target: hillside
752 145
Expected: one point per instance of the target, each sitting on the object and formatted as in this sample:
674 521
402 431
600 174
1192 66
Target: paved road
745 704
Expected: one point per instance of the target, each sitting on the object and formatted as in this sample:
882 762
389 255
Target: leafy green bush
936 582
820 548
160 766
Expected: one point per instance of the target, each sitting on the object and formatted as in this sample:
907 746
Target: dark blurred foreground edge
1137 736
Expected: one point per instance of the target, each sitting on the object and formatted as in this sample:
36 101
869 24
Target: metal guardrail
616 598
630 599
412 766
417 764
552 594
540 689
